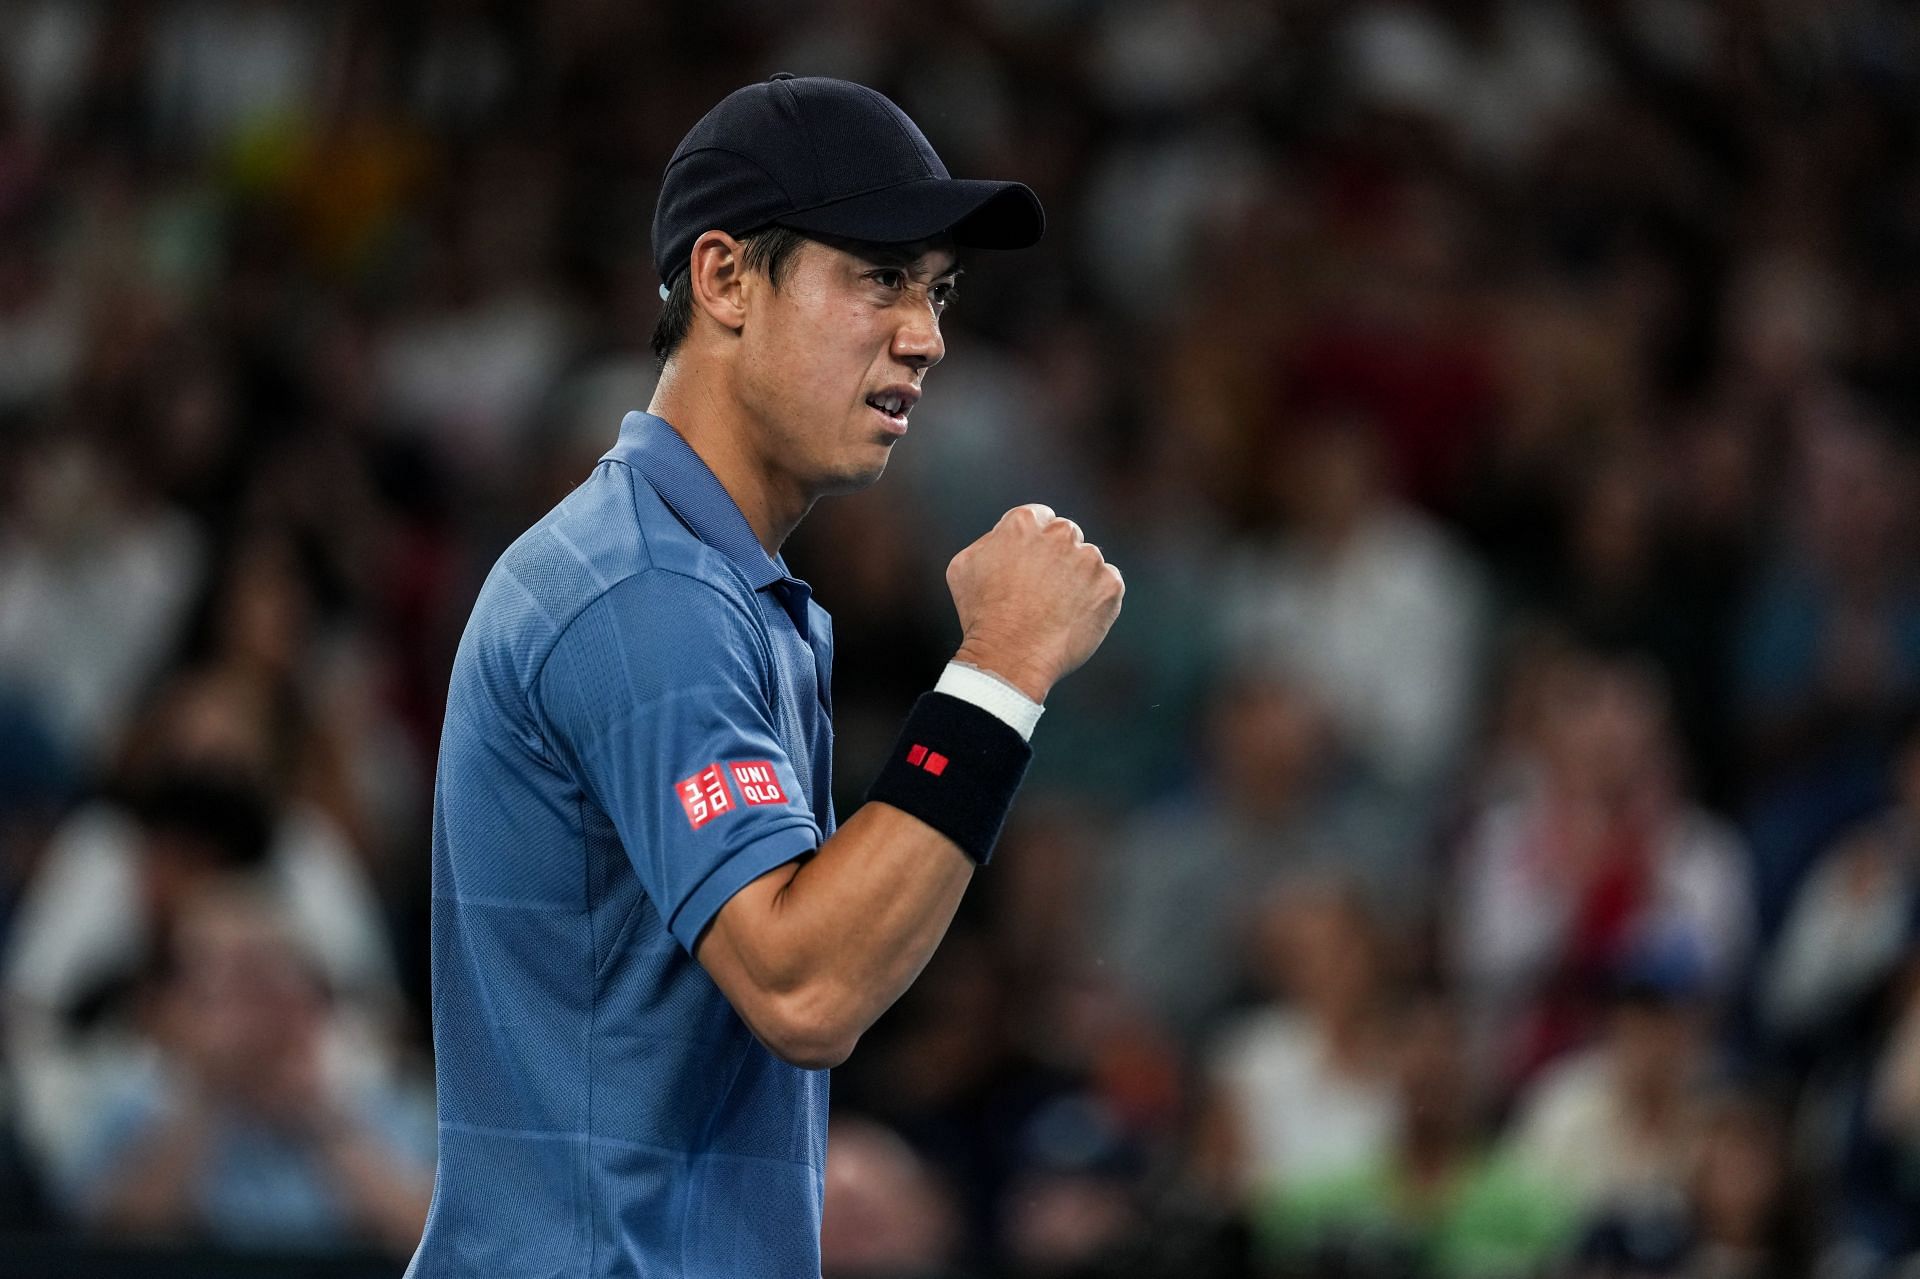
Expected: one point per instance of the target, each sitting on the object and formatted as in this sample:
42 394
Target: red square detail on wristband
757 781
936 763
917 754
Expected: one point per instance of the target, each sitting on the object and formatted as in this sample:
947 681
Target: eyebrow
903 255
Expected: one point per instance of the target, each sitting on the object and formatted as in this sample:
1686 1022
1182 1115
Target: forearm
838 937
811 954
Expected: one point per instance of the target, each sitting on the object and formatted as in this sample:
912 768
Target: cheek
823 358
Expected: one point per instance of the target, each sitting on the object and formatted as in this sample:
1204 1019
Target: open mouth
894 404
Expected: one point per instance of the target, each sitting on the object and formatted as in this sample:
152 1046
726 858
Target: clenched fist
1035 599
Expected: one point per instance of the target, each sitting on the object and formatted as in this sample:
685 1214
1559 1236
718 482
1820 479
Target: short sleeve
657 697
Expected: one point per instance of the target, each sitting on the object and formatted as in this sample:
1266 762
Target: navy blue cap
827 157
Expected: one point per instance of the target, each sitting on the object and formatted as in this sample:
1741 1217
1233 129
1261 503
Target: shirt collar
652 447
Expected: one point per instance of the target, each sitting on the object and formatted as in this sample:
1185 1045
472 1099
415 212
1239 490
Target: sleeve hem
756 859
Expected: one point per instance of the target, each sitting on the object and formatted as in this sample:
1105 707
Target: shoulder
653 634
610 552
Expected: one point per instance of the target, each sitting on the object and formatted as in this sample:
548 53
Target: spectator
1878 1205
1367 603
111 884
1437 1203
1829 646
1362 330
1075 1209
1852 923
95 580
885 1212
240 1132
1615 1127
1301 1088
1600 855
1739 1219
1267 802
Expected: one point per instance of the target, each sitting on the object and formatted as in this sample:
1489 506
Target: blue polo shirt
638 726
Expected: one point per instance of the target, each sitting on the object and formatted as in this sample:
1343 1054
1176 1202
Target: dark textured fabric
832 158
603 1110
957 768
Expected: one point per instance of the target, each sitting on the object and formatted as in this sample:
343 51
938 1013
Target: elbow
809 1029
811 1054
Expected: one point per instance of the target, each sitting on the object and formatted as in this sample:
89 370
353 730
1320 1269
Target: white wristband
991 694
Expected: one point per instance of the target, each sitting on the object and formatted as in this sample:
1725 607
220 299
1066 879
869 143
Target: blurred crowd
1488 845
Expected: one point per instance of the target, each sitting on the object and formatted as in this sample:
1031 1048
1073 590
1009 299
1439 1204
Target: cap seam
738 155
892 112
806 127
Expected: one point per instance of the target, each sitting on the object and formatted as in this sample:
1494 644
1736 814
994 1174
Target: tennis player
650 942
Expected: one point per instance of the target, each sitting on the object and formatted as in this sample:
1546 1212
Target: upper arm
657 699
738 951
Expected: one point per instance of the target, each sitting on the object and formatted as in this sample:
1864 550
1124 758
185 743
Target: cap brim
977 214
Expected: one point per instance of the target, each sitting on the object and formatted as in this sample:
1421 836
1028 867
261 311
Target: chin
852 479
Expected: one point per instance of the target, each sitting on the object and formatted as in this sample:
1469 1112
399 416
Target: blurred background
1488 845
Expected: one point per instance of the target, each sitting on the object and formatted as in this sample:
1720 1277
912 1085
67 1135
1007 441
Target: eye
944 294
888 277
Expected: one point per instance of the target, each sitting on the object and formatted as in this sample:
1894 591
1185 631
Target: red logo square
936 763
757 781
704 795
917 754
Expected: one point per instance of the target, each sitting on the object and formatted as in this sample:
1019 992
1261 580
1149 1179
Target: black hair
767 250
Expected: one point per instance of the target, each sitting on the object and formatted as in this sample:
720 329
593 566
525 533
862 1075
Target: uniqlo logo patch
704 795
757 781
933 761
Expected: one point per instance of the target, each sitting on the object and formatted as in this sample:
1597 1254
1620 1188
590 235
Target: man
649 939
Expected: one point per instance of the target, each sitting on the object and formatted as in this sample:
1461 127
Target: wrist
991 694
1021 675
956 767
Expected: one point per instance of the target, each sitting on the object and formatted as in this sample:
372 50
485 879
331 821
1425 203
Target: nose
917 342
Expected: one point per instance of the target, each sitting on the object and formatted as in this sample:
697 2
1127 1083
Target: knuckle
1039 512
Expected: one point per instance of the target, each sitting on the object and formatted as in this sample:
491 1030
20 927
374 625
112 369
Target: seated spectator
1367 602
1598 855
1879 1102
1738 1220
885 1212
240 1133
1853 921
1302 1087
96 576
1828 647
1076 1206
1267 801
1436 1203
1827 651
1616 1127
110 884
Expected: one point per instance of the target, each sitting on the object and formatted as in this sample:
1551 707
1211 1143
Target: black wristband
956 767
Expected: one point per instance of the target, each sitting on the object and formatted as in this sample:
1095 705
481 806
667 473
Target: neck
721 434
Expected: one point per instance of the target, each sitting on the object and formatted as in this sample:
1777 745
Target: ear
717 277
